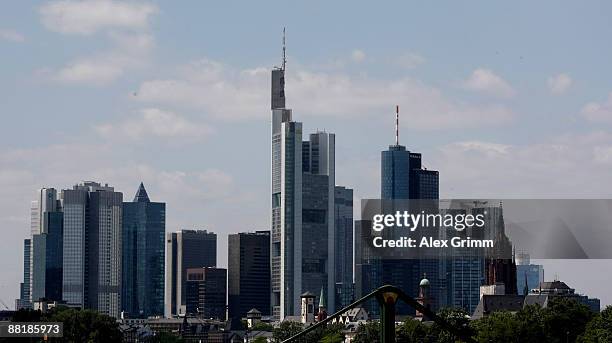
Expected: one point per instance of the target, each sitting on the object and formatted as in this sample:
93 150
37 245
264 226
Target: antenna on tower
284 50
396 124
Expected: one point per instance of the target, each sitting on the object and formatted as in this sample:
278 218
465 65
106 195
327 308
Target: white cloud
225 93
599 112
156 123
560 83
358 56
538 170
486 81
130 51
409 60
90 16
124 24
11 36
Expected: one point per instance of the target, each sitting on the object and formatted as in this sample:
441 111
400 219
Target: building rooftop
141 194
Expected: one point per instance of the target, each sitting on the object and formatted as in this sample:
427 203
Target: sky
506 100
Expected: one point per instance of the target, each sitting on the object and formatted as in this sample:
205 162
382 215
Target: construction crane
5 305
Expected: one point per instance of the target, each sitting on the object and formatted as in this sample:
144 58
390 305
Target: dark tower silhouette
500 268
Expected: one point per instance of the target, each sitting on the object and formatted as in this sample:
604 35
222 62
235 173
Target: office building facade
45 261
144 229
205 292
528 275
25 301
185 249
92 244
248 273
343 250
302 218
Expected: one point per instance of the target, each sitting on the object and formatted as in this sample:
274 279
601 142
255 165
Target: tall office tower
185 249
205 292
92 247
403 177
46 246
25 301
343 250
302 235
464 268
144 229
248 271
528 275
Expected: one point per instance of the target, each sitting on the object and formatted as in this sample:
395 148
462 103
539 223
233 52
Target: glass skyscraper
302 218
144 228
46 255
248 273
528 275
402 177
25 300
92 247
343 249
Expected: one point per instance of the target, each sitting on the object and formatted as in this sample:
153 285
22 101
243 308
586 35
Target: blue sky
505 100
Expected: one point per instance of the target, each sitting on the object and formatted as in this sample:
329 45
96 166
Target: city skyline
112 123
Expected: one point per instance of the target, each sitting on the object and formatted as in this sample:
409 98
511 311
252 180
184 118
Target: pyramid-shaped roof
141 194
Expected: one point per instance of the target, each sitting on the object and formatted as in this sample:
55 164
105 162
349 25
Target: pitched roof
141 194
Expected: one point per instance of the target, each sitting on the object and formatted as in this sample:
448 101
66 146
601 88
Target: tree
259 339
412 331
85 326
502 327
333 333
262 326
333 337
286 330
531 324
565 319
457 318
599 329
368 333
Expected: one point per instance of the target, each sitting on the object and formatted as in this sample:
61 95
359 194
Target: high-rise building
144 228
92 242
25 301
302 235
248 270
528 275
185 249
402 177
46 246
343 250
205 292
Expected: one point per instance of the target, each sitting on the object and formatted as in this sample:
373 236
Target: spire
141 194
396 125
284 50
322 299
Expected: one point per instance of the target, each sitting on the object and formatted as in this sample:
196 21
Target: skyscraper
25 300
343 249
248 273
185 249
528 275
302 218
144 228
92 247
402 177
46 246
205 292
